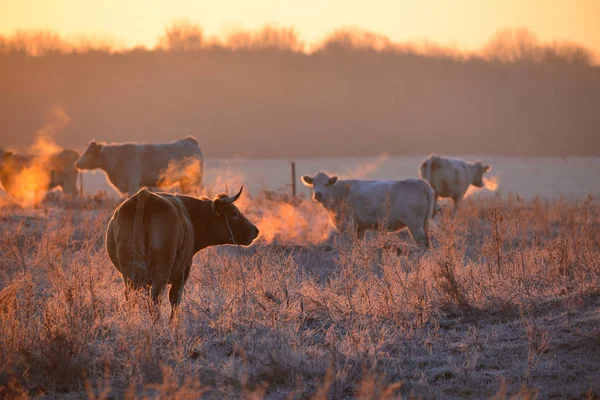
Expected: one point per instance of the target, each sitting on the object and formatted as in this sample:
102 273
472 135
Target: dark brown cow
152 237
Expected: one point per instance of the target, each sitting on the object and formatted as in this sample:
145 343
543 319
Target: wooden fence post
293 179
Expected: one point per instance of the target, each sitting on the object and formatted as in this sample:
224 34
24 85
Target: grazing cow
451 177
131 166
63 172
360 205
60 169
152 237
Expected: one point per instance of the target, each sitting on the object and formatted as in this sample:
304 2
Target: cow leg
360 233
436 207
157 288
134 291
160 263
399 250
70 186
176 290
119 256
154 309
420 236
133 185
426 233
456 200
138 278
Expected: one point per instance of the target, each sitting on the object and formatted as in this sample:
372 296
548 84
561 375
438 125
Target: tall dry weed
343 318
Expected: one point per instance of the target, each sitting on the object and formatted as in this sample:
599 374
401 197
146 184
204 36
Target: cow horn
230 200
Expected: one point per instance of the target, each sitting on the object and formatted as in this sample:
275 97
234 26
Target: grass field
506 303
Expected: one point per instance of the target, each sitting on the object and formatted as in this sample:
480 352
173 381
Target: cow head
231 222
477 171
91 157
322 185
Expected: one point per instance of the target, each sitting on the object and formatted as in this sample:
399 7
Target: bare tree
181 36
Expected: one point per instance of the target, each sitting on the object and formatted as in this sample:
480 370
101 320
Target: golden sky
466 24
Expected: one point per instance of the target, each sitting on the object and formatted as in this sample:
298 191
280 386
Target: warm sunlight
466 24
325 199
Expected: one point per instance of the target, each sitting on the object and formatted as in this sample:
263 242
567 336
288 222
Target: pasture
506 303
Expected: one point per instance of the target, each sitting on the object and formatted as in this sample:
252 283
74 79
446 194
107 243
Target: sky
464 24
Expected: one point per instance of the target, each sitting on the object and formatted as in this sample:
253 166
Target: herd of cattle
153 236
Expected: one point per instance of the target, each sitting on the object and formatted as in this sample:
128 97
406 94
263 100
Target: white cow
131 166
361 205
451 177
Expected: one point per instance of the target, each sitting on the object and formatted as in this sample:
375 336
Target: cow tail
143 196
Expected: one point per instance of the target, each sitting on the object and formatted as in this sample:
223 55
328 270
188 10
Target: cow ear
487 168
94 146
332 180
216 205
307 180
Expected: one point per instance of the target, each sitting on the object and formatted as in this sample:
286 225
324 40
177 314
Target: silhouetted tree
268 37
517 45
181 36
352 38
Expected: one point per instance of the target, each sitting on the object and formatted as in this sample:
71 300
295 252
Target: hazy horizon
280 82
258 95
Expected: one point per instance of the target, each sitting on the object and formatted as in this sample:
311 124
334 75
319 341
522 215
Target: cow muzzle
249 237
318 196
246 239
253 235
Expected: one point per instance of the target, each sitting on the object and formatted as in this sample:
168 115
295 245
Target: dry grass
505 304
